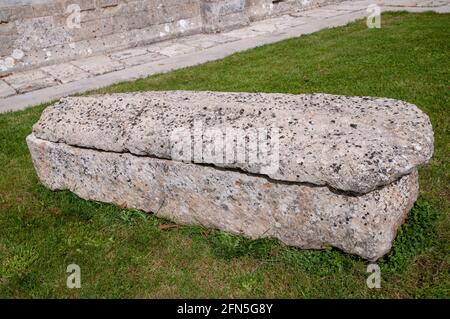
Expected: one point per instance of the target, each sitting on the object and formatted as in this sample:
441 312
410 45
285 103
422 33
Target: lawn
125 253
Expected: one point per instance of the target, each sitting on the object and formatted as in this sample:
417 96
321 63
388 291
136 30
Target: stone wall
260 9
41 32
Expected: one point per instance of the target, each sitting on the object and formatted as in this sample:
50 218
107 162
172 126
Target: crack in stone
236 170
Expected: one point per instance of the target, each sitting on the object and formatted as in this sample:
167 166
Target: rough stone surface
354 144
281 20
411 3
142 59
301 215
66 72
319 13
44 29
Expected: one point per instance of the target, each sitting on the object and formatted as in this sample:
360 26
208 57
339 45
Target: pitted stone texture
299 215
354 144
142 59
171 48
220 15
98 64
319 13
126 54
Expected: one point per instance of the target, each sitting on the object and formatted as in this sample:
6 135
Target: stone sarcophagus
310 170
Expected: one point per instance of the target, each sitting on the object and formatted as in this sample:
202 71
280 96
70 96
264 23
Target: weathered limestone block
4 15
108 3
11 13
353 144
345 172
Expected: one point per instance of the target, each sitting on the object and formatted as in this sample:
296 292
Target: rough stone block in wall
221 15
39 33
123 17
162 15
86 4
224 7
47 9
341 170
85 15
258 9
353 144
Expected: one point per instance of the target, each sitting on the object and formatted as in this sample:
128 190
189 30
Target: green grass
124 253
